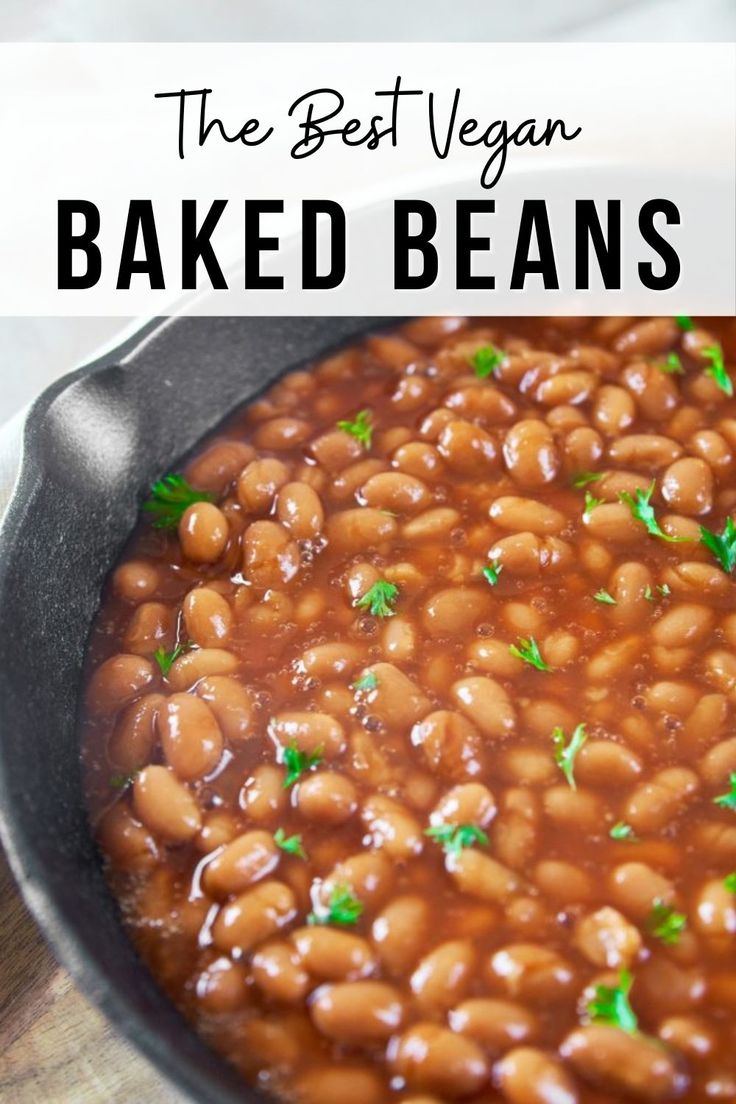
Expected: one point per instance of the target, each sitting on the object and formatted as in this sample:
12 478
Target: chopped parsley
291 844
590 503
368 681
622 831
455 837
643 511
729 882
728 800
717 369
361 428
605 598
170 498
298 762
342 909
528 651
565 754
491 572
611 1005
649 594
120 781
665 923
671 365
486 361
722 545
166 659
684 322
378 599
584 478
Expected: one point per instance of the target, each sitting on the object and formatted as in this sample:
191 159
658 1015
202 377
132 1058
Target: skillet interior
93 443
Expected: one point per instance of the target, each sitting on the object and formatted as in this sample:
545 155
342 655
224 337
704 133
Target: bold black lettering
607 247
466 243
255 244
140 220
534 220
196 244
661 247
67 242
311 209
405 242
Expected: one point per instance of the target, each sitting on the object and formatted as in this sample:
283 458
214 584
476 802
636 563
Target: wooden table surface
55 1048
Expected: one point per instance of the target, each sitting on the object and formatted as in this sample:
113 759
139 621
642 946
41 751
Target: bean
419 459
135 581
208 617
607 939
411 393
690 1035
720 670
117 681
634 887
684 624
714 449
333 955
281 433
326 797
566 387
471 803
203 532
496 1025
583 449
201 663
190 736
467 449
612 522
613 658
395 699
259 483
231 705
494 658
530 454
263 796
672 697
432 1058
397 492
253 917
348 483
563 882
245 860
398 932
525 554
150 627
719 762
442 976
222 986
486 704
531 973
481 876
358 1011
165 805
656 393
656 803
618 1062
218 829
529 1076
648 338
311 732
529 765
481 401
279 974
369 875
393 829
450 743
455 611
131 743
127 842
614 410
520 514
354 531
325 660
687 486
270 556
431 524
573 808
715 910
335 450
648 451
337 1083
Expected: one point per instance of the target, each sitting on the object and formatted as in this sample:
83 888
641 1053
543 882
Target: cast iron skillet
92 445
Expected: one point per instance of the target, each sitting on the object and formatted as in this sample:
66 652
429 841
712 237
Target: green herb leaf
170 498
368 681
360 428
671 366
730 882
491 572
166 659
565 754
298 762
611 1005
378 599
728 800
486 361
717 369
455 837
622 831
723 545
684 322
528 650
120 781
643 511
590 503
291 844
665 923
664 590
605 598
584 478
343 909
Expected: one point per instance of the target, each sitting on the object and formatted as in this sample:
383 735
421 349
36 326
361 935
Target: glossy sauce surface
436 757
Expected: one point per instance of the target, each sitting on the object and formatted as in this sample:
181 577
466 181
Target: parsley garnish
622 831
672 366
120 781
361 428
611 1006
728 800
684 322
378 599
455 837
297 762
666 924
730 882
343 909
291 844
166 659
717 369
170 498
486 361
528 650
643 511
491 572
590 503
368 681
664 590
723 545
605 598
584 478
565 754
